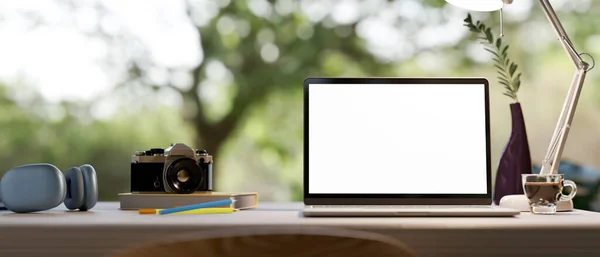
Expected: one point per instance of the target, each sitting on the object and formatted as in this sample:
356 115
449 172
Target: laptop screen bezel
397 199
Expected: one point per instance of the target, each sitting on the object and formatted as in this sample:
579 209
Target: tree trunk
212 144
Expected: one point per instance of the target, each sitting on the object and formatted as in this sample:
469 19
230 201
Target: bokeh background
93 81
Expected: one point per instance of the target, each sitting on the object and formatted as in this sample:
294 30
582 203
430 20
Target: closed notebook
136 201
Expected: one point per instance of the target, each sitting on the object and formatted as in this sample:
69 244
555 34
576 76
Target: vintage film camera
178 169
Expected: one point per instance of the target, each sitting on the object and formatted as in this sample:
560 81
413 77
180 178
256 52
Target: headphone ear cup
32 188
90 187
75 188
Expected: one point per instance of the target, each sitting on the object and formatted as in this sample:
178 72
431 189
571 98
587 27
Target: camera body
177 169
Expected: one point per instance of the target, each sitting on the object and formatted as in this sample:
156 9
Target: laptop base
408 211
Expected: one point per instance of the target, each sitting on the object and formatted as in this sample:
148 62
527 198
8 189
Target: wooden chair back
273 242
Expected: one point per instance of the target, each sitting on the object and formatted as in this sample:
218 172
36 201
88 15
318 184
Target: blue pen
196 206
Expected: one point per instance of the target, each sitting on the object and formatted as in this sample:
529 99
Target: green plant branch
506 69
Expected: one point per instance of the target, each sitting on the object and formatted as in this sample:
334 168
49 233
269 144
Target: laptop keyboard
402 206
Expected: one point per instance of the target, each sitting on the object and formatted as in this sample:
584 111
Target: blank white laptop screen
397 139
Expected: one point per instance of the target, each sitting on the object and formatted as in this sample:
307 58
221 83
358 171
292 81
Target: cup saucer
520 203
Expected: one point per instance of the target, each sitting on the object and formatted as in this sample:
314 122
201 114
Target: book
136 201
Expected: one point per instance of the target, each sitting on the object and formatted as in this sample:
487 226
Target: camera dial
157 151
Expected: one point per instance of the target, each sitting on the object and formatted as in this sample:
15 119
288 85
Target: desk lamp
551 161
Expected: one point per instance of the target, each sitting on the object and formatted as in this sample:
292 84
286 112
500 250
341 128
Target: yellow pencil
196 211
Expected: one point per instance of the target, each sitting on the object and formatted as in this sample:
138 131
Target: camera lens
183 176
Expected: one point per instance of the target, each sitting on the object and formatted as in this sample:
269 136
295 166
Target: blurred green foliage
253 125
29 136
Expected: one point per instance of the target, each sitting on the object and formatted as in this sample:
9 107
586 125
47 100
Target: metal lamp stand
551 161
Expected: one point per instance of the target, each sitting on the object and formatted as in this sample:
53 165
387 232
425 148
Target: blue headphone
39 187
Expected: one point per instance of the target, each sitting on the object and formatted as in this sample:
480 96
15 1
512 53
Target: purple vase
515 159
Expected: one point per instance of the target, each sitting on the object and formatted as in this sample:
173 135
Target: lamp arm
562 34
557 143
553 155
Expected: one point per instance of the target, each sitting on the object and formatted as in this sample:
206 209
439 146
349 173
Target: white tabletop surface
107 214
105 229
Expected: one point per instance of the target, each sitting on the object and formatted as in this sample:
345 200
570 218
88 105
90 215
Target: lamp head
480 5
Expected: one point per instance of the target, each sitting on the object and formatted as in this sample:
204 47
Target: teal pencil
197 206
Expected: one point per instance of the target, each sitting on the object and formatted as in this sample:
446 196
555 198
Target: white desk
104 229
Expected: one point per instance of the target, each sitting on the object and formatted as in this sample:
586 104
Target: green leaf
517 82
505 49
468 19
510 95
504 83
512 69
491 51
488 35
497 60
499 67
498 43
503 79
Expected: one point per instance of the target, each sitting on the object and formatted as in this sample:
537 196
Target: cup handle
568 183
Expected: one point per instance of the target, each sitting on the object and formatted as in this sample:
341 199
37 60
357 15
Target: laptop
397 147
